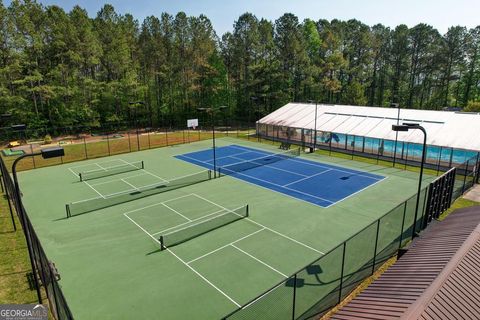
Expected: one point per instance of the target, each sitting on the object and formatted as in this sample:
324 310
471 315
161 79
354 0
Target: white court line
272 190
101 195
176 198
291 189
94 163
267 228
188 266
116 180
223 214
103 168
131 185
154 175
181 215
146 171
188 157
314 175
319 166
268 166
113 167
315 164
256 259
74 173
224 246
184 223
232 155
357 173
350 195
166 182
157 204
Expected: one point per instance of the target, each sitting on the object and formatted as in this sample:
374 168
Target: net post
209 174
80 175
67 208
248 212
143 165
162 247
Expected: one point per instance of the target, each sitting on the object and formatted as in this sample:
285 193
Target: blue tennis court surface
318 183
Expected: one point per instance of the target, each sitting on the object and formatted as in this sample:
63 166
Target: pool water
404 150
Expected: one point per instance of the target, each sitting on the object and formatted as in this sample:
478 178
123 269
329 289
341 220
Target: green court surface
111 263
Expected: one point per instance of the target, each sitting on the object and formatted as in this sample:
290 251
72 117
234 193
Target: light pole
413 126
396 105
252 99
315 124
46 154
211 112
132 103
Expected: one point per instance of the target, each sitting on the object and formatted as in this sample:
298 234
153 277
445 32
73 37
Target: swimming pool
409 151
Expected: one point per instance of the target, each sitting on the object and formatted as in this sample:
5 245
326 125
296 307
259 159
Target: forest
61 69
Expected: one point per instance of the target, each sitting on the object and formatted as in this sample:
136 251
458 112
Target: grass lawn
14 265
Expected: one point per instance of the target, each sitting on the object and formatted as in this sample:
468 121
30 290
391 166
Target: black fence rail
81 143
322 284
44 272
307 293
439 159
440 195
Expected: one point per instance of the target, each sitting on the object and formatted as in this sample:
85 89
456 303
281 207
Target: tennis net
108 171
191 231
258 162
84 206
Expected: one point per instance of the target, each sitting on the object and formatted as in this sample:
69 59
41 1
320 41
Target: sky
441 14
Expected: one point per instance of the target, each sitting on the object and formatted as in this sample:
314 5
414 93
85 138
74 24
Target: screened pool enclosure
453 138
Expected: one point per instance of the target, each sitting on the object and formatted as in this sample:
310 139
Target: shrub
47 139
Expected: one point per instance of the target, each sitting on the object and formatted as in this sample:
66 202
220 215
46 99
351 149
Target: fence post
108 144
353 146
465 177
378 150
148 137
330 144
478 167
85 147
8 200
424 211
341 274
294 295
403 225
439 159
33 158
166 135
406 158
129 143
376 243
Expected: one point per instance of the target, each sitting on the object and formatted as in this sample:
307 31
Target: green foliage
472 106
65 69
47 139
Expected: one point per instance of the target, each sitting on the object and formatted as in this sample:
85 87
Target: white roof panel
444 128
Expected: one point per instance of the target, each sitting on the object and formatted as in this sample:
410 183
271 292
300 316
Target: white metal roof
444 128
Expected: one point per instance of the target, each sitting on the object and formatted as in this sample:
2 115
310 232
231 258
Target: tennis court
321 184
154 234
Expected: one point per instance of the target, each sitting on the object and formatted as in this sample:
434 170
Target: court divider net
92 204
109 171
199 228
257 162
